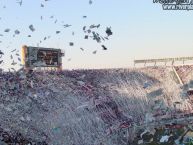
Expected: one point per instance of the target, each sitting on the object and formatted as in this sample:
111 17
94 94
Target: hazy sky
141 29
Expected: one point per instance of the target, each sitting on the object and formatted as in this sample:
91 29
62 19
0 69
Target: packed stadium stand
90 107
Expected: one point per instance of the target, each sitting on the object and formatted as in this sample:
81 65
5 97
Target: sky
141 30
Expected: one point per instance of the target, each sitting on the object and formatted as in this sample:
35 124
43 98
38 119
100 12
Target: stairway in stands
184 72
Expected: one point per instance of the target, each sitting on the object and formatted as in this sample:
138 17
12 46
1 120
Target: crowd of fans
40 85
69 106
